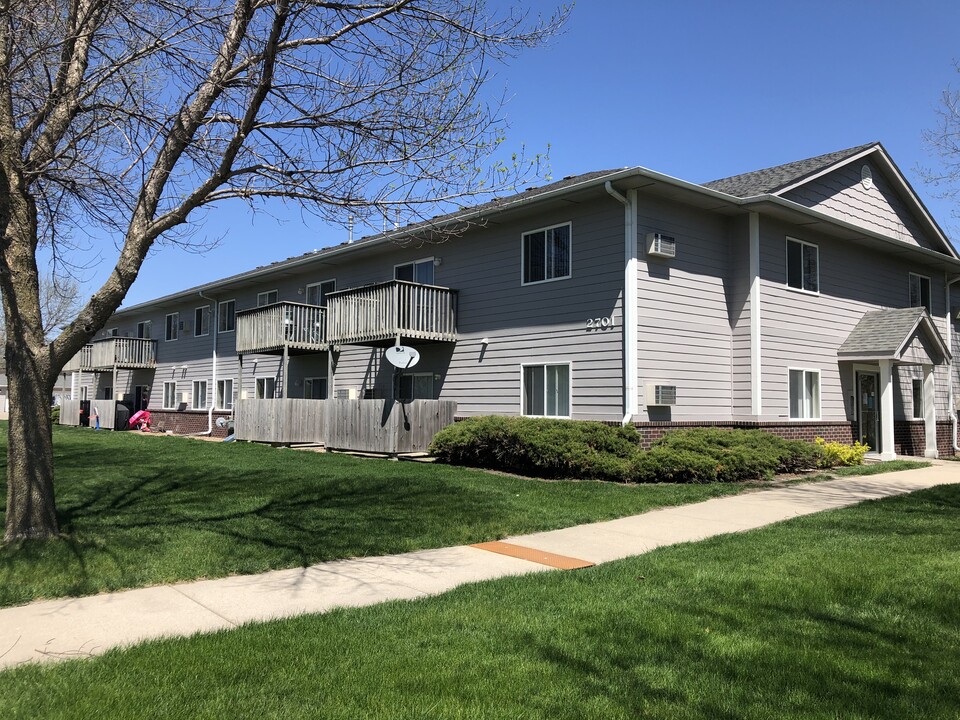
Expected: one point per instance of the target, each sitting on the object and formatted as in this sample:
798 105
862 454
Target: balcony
269 329
120 352
380 314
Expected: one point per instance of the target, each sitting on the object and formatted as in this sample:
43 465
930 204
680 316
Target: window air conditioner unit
660 245
347 393
661 395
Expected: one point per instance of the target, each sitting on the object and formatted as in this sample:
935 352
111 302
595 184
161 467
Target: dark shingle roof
770 180
881 333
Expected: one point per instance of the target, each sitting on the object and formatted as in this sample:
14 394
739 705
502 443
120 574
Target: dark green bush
543 447
55 414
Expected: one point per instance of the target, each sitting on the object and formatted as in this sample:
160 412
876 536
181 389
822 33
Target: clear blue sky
698 90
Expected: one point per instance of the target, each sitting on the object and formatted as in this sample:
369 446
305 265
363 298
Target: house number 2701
600 323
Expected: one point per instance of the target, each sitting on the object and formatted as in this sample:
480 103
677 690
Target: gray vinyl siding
738 302
683 320
804 330
841 194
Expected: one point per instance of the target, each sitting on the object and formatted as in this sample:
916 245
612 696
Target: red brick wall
909 437
188 422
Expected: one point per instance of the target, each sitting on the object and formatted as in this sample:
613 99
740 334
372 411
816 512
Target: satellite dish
402 356
221 422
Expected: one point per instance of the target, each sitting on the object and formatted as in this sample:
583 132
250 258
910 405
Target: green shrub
55 414
833 454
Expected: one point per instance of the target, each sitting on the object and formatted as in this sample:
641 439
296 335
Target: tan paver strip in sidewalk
77 627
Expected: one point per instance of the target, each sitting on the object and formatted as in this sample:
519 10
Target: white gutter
756 356
630 303
950 397
214 322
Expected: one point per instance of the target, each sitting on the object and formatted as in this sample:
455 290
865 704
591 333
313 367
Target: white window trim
267 293
176 326
112 332
786 279
193 394
256 380
543 363
416 375
163 402
216 392
146 324
913 409
306 290
819 415
523 254
312 380
220 315
432 258
912 275
195 327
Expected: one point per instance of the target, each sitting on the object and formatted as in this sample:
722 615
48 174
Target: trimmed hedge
548 448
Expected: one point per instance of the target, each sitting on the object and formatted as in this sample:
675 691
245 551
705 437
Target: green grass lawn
848 614
139 510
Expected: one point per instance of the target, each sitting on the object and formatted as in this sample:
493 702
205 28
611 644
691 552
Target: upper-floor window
201 321
227 312
804 394
420 271
271 297
317 292
803 265
920 291
172 326
546 254
112 332
144 329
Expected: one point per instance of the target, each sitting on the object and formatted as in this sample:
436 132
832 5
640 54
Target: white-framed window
315 388
545 254
201 321
227 312
169 396
266 388
270 297
108 393
317 292
917 387
804 394
144 329
418 271
920 291
199 395
415 386
172 324
545 390
224 395
803 265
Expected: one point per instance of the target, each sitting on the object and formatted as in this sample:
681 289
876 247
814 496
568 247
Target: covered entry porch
882 341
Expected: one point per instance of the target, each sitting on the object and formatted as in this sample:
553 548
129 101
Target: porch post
886 410
929 412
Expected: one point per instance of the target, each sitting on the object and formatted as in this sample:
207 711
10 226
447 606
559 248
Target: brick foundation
188 422
909 437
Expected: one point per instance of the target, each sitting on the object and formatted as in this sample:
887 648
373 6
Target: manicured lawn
847 614
141 510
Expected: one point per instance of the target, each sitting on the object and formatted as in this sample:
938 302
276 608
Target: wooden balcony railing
123 352
81 361
383 312
272 327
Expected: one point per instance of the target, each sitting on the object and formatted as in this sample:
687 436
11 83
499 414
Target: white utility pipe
630 291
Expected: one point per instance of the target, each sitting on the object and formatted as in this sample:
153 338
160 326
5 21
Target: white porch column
886 410
929 412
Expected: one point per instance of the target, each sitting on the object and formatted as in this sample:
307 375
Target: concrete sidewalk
81 627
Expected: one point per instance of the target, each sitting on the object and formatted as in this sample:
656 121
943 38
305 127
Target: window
416 386
173 326
315 388
201 321
143 329
108 393
224 395
271 297
199 394
546 254
169 395
546 390
920 291
317 293
228 316
112 332
805 394
917 399
803 265
420 271
266 388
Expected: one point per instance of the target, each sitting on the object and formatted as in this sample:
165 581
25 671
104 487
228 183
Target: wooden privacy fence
70 413
382 426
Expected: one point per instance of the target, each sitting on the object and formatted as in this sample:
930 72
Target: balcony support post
284 392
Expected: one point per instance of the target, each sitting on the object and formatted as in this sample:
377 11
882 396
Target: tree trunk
31 510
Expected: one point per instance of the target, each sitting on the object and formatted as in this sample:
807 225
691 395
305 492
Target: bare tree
132 115
59 304
943 141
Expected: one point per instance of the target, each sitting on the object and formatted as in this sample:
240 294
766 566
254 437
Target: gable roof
886 335
771 180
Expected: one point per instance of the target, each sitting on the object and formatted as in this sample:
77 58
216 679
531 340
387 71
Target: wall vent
661 395
660 245
346 393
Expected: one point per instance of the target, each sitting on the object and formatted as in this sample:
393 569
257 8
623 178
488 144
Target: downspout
630 291
952 409
214 326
